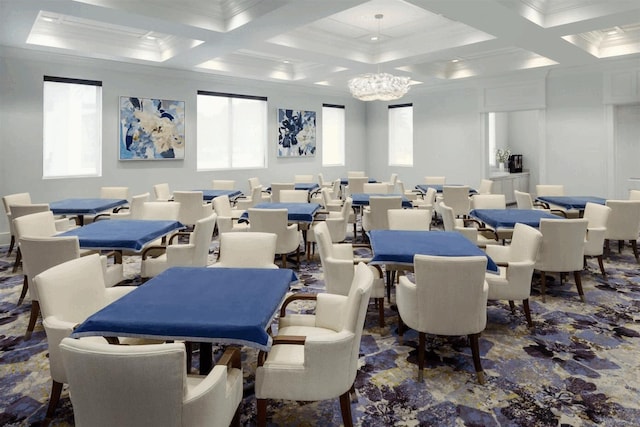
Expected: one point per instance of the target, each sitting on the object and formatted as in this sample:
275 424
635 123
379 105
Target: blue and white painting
296 133
151 129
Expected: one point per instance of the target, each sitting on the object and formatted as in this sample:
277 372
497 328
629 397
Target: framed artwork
296 133
151 129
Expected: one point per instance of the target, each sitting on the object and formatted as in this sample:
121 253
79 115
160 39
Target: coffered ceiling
326 42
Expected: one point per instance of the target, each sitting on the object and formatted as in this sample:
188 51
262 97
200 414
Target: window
231 131
333 131
491 136
72 133
401 135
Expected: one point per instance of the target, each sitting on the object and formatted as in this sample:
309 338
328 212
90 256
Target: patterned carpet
579 367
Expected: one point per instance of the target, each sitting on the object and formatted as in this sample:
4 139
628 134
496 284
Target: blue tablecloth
309 186
507 218
84 206
221 305
345 181
122 234
438 187
362 199
572 202
212 194
296 212
399 247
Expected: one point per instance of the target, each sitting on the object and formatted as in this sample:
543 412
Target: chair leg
235 421
345 408
634 246
380 302
56 391
35 311
298 256
620 245
400 329
18 260
543 285
601 266
578 279
23 293
261 406
11 245
188 347
475 352
527 312
284 260
512 306
421 344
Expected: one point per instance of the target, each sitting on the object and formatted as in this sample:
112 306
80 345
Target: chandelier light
378 86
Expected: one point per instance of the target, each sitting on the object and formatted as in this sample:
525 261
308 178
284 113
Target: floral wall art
151 129
296 133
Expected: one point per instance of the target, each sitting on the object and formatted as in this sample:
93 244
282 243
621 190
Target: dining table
362 199
396 248
439 187
571 202
122 234
296 212
508 218
228 306
208 195
84 206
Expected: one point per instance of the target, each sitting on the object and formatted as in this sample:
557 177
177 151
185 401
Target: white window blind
231 131
491 136
401 135
72 132
333 135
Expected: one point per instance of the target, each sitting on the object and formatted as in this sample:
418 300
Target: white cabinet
506 183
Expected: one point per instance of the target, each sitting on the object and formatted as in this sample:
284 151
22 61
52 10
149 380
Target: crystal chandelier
378 86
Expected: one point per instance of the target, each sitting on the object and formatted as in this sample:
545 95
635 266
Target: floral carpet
580 366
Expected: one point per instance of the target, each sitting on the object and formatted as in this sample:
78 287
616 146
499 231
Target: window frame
326 130
395 135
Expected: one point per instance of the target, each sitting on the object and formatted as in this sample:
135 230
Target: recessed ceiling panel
609 42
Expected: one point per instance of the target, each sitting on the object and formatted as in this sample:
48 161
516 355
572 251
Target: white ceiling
326 42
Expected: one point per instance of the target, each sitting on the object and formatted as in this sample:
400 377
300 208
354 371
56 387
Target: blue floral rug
579 367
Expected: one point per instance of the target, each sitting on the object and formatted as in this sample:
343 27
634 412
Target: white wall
524 139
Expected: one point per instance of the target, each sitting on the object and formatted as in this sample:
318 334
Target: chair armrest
101 217
153 250
296 297
558 212
178 234
474 222
279 340
231 358
117 292
117 256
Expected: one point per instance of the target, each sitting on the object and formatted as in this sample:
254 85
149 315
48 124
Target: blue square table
399 247
572 202
438 187
296 212
122 234
209 195
345 181
206 305
508 218
84 206
362 199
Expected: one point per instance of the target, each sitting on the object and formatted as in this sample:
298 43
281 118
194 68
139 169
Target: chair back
326 197
276 187
430 197
434 180
356 184
549 190
409 219
247 250
377 216
448 217
457 198
268 220
294 196
598 217
125 385
200 238
634 194
253 182
523 200
136 208
376 188
222 206
303 179
624 220
18 211
192 207
356 310
162 192
488 201
15 199
525 244
160 211
562 247
41 224
323 239
42 253
114 193
223 184
451 294
355 174
485 186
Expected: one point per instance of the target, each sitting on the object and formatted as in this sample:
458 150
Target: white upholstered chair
264 196
294 196
634 194
449 297
337 224
434 180
69 293
277 186
192 207
624 224
134 211
322 183
223 184
138 385
244 203
554 190
315 356
276 221
516 263
374 216
408 194
562 250
428 200
42 253
409 219
488 201
338 262
160 211
303 179
355 185
162 192
355 174
486 185
474 234
195 253
549 190
457 198
377 188
524 201
247 250
114 193
597 217
227 216
8 201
